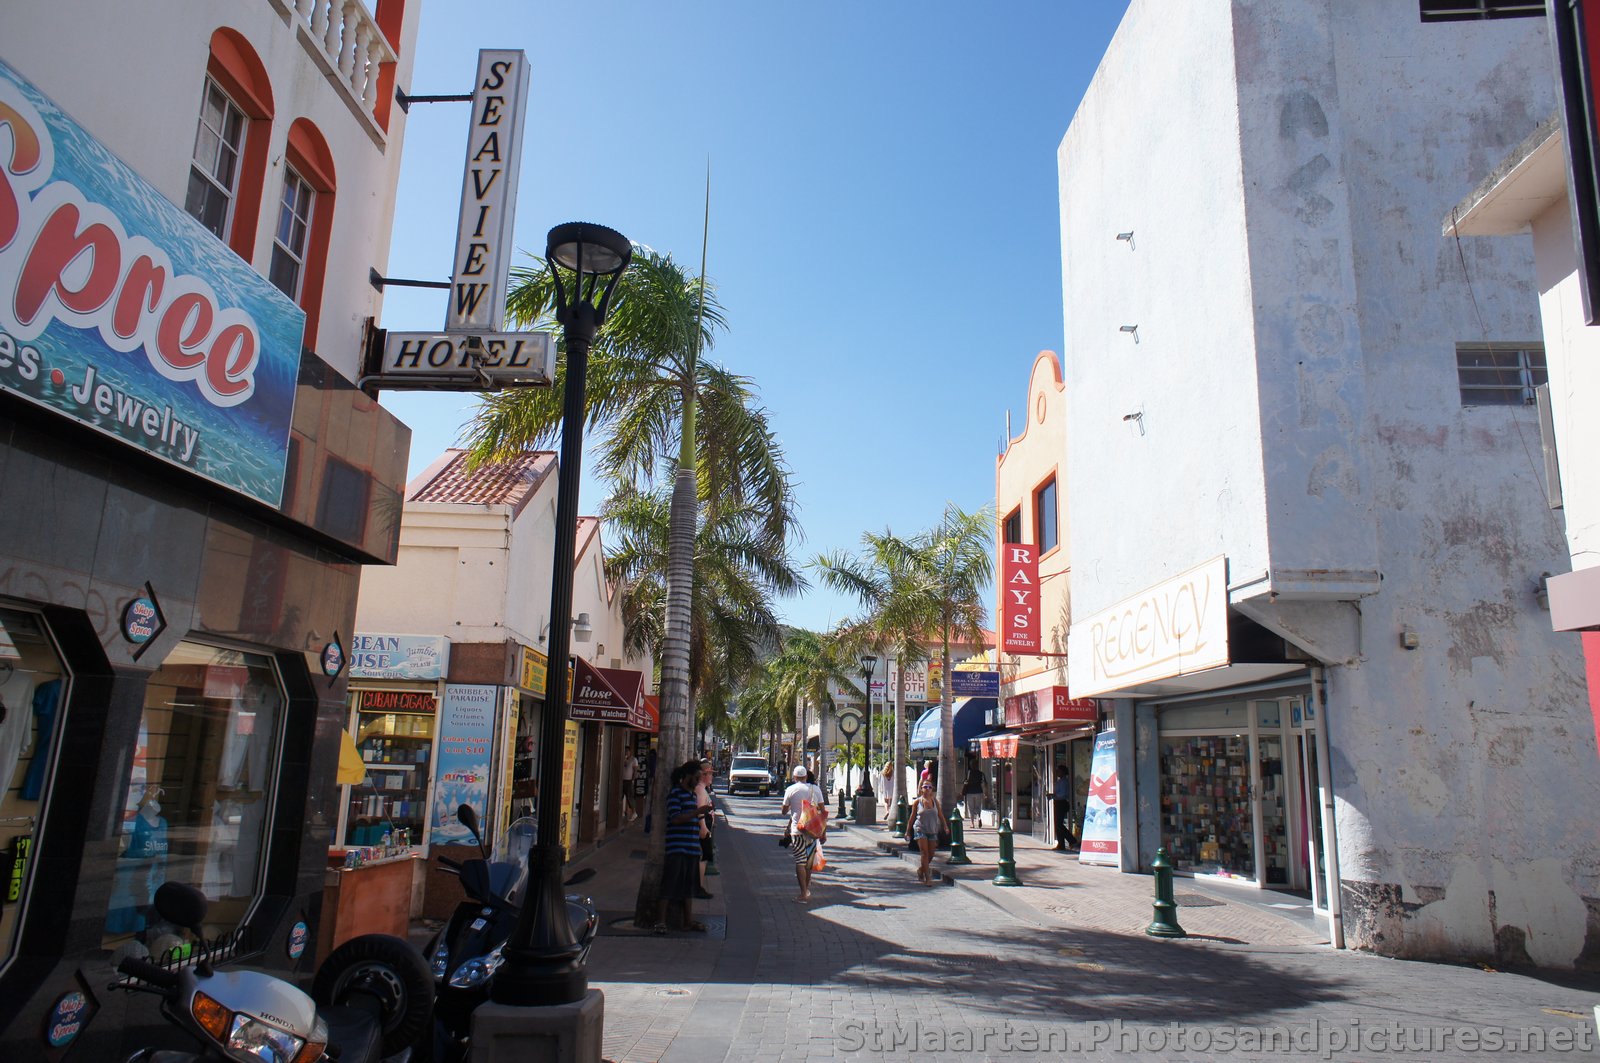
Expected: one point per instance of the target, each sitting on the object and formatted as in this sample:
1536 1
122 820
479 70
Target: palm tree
934 581
803 674
661 412
901 607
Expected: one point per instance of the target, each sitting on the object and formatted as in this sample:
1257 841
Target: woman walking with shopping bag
807 809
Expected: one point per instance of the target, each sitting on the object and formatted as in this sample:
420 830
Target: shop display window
1207 820
200 793
33 685
394 735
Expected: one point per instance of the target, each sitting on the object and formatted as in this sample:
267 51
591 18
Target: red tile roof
505 483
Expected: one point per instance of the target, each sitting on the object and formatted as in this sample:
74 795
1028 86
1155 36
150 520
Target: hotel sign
1174 628
476 359
489 193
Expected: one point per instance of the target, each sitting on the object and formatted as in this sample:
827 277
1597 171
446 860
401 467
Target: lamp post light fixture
866 810
543 964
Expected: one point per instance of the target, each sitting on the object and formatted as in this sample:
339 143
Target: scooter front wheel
384 969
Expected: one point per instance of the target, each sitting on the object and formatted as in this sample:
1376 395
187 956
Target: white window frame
293 178
207 168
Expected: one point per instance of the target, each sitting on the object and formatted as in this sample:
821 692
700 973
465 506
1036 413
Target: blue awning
966 720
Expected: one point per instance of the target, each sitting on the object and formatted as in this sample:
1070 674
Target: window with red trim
229 160
305 222
1011 527
214 168
290 238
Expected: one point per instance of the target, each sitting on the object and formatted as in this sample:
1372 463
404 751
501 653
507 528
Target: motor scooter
369 1004
465 954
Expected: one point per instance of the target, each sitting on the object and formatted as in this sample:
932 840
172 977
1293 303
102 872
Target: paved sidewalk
1058 890
877 966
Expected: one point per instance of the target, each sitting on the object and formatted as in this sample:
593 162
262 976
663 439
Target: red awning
652 708
609 695
999 747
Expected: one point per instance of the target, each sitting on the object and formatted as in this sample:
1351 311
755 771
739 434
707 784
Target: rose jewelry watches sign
472 353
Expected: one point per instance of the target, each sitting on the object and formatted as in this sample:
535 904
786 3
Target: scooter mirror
582 876
469 819
181 905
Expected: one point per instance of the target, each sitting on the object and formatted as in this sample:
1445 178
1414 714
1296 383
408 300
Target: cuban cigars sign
489 193
1019 598
122 312
1174 628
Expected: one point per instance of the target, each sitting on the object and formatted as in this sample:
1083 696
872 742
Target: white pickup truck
749 772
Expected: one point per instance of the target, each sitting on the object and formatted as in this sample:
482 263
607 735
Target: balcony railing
350 43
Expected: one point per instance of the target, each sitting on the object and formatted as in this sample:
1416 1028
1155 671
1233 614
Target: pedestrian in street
706 807
1061 802
926 776
678 872
884 791
922 827
803 846
974 791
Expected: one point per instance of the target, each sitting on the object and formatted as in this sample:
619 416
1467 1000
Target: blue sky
884 234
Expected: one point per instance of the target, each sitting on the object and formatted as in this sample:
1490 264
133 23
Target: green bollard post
1165 923
900 813
842 812
958 844
1006 874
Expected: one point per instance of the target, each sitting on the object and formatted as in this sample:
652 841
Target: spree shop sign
124 313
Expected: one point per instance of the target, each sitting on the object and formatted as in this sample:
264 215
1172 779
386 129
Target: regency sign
123 313
1174 628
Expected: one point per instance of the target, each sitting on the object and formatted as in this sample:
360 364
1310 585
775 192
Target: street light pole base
559 1033
866 809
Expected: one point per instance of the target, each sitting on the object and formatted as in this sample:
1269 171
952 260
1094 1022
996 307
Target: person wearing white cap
804 844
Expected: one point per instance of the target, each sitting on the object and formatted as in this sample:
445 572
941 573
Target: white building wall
1301 417
1160 115
1573 349
149 120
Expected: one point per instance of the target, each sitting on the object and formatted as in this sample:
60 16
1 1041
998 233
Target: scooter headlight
440 963
477 970
256 1042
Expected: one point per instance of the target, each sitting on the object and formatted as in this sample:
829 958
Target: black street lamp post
543 965
866 800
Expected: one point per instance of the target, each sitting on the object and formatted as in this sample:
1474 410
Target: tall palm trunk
947 738
677 718
900 739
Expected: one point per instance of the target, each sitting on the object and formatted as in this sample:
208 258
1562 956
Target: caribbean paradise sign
122 312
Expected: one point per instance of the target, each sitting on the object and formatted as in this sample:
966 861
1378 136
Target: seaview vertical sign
489 193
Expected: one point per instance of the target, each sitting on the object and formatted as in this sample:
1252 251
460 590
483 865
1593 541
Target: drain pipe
1330 830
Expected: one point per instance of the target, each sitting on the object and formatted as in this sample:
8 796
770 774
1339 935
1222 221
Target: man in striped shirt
680 874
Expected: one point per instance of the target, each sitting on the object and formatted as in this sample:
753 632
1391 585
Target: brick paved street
880 967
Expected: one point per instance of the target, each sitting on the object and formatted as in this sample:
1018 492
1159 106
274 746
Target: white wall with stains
1284 165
